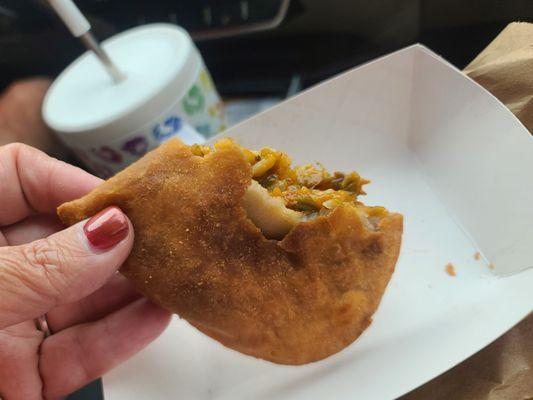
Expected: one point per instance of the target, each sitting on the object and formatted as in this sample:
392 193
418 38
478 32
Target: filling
281 196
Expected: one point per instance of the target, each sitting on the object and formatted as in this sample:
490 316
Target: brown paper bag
501 371
505 68
504 369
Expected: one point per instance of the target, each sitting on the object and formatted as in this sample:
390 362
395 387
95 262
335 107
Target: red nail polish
107 228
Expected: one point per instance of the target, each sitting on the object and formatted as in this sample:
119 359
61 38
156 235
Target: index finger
32 182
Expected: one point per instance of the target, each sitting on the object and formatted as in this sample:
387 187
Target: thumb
63 268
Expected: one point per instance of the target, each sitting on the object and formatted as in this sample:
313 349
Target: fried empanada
293 280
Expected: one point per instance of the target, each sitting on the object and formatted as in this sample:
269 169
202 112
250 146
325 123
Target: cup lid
160 62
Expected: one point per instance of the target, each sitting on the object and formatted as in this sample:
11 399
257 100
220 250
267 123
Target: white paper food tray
459 166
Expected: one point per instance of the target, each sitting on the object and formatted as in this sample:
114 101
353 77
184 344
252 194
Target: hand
70 275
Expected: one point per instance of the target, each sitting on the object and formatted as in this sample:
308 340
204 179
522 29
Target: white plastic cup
168 92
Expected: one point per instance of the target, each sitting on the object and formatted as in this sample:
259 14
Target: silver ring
42 325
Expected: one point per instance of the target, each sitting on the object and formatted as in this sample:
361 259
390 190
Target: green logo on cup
194 101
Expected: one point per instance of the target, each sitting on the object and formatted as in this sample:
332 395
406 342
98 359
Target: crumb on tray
477 256
450 269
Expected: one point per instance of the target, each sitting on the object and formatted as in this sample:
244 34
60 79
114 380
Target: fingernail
107 228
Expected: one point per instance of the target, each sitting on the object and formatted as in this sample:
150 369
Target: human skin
69 275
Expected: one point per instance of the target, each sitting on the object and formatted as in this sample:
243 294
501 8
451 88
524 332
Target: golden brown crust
197 254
